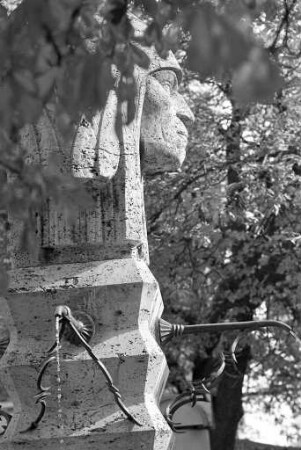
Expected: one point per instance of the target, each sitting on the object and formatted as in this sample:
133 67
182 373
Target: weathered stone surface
118 295
163 127
96 264
110 167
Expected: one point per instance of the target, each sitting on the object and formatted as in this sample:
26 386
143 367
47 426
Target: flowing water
58 377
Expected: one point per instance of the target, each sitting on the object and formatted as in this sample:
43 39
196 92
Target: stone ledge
66 276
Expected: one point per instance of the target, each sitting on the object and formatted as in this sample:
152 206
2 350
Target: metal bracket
193 397
5 418
78 329
168 331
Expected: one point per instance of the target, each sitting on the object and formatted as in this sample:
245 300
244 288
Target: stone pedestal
95 263
123 299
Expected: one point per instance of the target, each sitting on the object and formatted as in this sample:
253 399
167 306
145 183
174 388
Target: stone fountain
96 265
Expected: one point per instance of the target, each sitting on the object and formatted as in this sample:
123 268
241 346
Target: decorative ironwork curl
191 397
198 391
5 418
78 331
112 388
43 393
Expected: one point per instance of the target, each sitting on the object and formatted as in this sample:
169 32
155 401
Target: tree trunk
227 398
227 404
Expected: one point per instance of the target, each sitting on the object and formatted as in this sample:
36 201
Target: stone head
159 129
165 113
110 162
164 122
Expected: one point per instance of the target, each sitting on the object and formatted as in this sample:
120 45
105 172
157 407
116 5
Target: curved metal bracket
168 331
192 397
78 320
115 391
5 418
78 329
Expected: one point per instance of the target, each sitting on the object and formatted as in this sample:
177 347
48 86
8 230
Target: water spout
78 320
58 374
78 329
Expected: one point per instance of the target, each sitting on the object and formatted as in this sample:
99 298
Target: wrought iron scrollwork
115 391
195 395
78 331
167 330
200 390
5 418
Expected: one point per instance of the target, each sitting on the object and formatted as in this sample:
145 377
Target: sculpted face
164 122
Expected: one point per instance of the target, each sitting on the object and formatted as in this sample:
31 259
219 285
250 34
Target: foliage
63 55
227 228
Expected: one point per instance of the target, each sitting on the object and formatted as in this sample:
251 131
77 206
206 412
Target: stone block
124 301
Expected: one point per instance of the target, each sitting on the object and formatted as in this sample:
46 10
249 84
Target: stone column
97 264
123 299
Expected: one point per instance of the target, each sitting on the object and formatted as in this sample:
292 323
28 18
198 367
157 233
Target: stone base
124 301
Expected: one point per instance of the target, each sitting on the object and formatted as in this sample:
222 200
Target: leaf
140 57
85 85
125 88
61 14
123 31
131 110
269 7
149 6
6 96
153 34
105 82
3 19
25 80
46 82
216 45
257 79
29 108
45 58
126 92
252 8
115 10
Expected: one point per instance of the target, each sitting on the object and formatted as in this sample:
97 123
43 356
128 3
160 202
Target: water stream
58 377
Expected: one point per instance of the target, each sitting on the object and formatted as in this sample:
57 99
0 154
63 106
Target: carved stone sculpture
155 141
164 120
96 264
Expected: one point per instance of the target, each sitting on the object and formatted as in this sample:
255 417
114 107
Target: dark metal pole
167 330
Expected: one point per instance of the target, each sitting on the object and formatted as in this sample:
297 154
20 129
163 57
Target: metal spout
78 328
79 320
62 311
167 330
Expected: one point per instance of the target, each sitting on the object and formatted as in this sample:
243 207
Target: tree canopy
227 229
